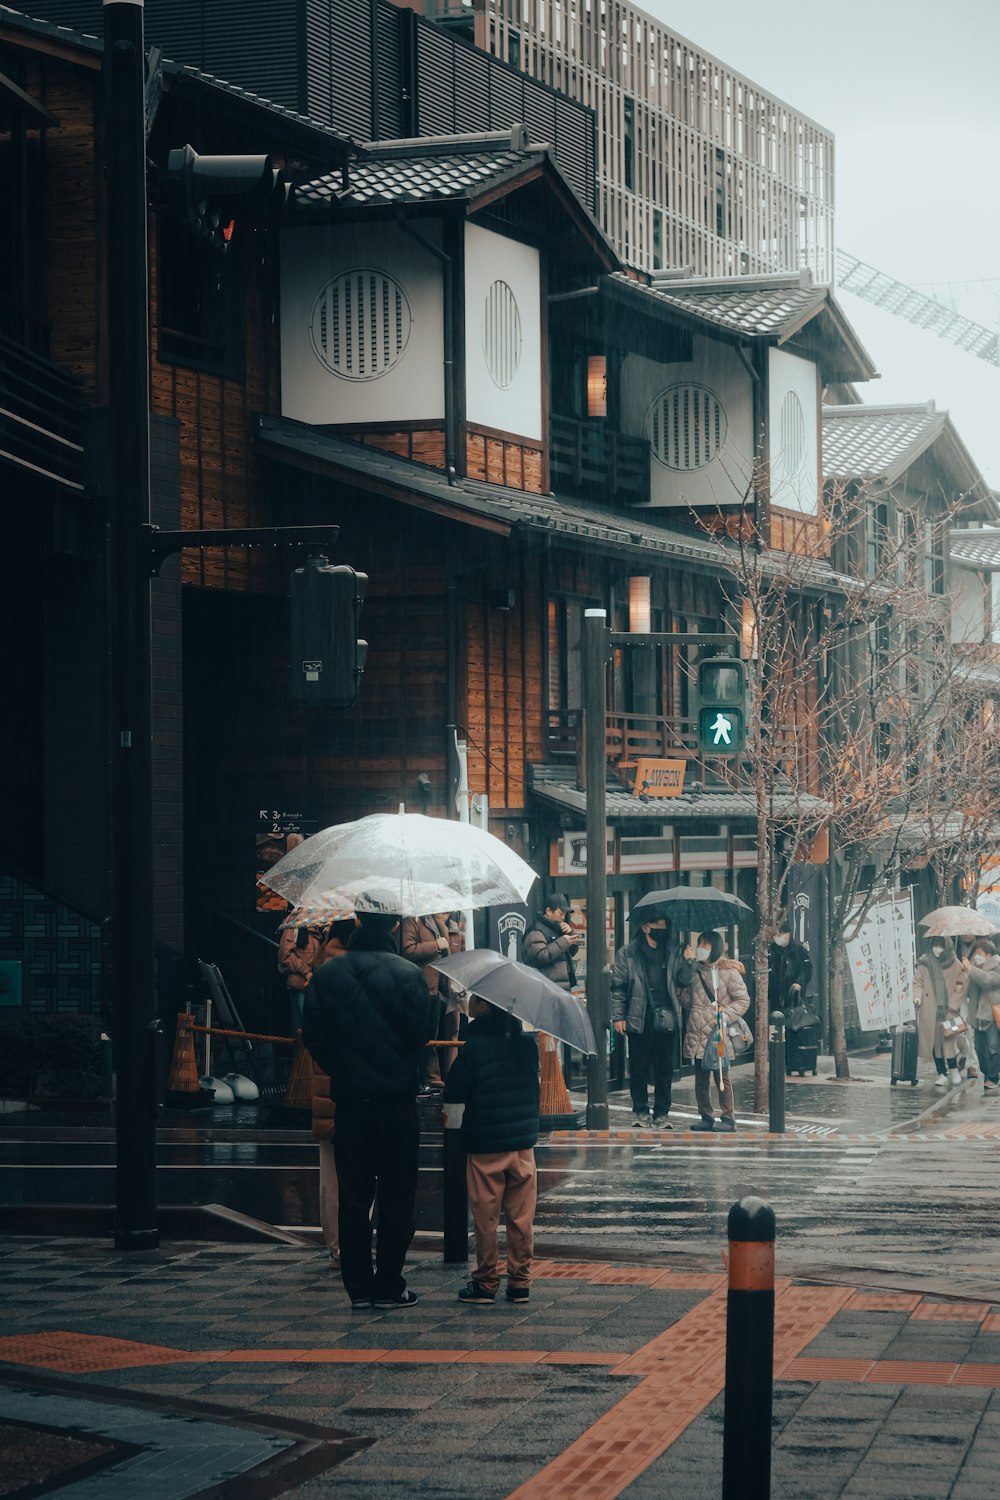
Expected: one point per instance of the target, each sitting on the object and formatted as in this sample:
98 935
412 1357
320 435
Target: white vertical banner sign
899 994
865 962
880 956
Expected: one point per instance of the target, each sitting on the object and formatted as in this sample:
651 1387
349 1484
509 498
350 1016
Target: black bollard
776 1074
746 1441
455 1191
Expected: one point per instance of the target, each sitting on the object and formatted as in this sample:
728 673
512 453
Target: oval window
501 335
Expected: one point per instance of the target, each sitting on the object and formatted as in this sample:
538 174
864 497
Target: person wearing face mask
647 979
789 970
715 984
939 991
984 994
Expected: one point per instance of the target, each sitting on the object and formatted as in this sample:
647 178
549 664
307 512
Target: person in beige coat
713 982
939 992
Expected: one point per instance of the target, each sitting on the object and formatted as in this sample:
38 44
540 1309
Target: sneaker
405 1299
660 1122
702 1124
361 1304
517 1293
726 1124
940 1081
972 1072
473 1293
989 1086
954 1076
641 1122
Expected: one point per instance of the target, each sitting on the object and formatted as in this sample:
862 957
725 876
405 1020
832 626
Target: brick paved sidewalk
609 1382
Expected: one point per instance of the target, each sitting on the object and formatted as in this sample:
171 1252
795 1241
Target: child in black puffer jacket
496 1078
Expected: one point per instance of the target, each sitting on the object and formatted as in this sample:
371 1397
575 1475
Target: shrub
56 1057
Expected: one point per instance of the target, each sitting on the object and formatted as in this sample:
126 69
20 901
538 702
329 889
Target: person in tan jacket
715 984
422 940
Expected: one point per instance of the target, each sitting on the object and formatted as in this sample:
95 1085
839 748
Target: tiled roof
976 548
417 172
772 307
876 442
755 307
559 787
640 535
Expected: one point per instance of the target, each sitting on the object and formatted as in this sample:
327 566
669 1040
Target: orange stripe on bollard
751 1266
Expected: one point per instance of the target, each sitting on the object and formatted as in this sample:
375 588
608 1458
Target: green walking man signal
722 705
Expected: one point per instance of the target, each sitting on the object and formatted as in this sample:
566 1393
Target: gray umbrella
525 993
690 908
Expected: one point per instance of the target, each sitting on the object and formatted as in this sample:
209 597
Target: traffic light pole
595 659
597 643
131 749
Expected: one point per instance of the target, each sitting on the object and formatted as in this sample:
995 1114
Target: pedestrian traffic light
327 656
201 190
722 705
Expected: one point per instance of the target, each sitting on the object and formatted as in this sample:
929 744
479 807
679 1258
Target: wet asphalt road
869 1178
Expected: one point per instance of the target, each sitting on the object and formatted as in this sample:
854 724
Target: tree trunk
765 860
761 1028
837 1028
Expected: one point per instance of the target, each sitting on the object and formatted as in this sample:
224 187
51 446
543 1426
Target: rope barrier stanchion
746 1442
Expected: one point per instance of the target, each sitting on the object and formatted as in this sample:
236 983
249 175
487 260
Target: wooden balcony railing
40 421
592 459
632 737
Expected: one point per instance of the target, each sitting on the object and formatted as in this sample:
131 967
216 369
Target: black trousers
376 1149
650 1061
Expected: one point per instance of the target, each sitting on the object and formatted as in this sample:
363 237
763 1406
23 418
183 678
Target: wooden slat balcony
589 458
632 737
40 420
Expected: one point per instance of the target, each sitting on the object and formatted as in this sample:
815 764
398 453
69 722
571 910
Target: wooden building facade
433 347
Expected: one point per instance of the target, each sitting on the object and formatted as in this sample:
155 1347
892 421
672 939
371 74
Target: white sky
909 89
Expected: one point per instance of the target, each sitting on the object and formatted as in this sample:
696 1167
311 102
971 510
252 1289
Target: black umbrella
525 993
690 908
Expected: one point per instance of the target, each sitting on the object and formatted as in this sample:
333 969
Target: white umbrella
403 863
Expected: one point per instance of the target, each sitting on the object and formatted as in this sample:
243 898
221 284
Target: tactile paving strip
83 1353
627 1439
950 1312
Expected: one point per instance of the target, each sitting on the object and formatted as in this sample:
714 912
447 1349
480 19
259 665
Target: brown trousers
503 1180
703 1092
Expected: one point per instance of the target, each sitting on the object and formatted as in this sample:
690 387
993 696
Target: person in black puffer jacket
496 1079
368 1018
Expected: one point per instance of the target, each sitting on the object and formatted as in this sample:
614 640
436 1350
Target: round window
686 426
360 324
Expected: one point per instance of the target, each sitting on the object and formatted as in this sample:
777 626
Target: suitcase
904 1055
802 1030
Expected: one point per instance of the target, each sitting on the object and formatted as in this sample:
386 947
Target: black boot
707 1122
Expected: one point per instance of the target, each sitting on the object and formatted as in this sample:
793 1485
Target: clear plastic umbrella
403 863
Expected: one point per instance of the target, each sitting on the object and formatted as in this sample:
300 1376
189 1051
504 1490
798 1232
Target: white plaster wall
716 366
413 390
967 605
516 409
795 485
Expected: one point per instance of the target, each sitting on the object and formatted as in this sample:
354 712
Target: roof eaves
31 26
